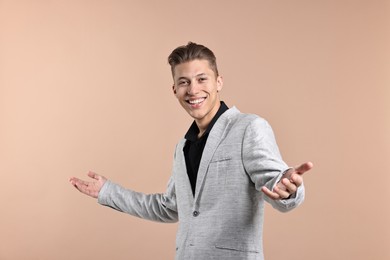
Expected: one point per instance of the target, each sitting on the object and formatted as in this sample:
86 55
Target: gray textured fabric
225 218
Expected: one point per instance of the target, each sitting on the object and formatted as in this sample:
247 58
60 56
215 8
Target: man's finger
301 169
79 186
291 186
270 194
277 194
79 182
93 175
283 194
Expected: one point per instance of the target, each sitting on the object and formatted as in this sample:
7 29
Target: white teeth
196 101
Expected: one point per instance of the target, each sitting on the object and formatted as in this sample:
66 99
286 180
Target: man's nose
193 88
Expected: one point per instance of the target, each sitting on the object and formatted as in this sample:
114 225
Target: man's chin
195 115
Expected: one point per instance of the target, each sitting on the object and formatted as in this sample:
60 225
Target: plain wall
85 85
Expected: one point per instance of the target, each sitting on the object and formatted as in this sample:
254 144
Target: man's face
196 87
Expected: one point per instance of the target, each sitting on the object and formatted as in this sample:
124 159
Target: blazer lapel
183 179
216 135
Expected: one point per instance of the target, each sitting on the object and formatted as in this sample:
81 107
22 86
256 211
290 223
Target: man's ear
219 83
174 89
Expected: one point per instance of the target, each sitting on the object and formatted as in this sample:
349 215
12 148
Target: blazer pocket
241 247
221 159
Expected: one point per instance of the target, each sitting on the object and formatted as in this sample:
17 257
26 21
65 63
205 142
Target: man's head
190 52
196 83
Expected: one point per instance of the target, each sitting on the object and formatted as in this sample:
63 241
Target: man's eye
183 83
202 79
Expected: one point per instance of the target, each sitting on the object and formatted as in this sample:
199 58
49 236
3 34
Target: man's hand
289 183
91 188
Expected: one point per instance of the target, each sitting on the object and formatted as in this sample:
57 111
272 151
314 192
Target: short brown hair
192 51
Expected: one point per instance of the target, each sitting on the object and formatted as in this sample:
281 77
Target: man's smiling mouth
196 101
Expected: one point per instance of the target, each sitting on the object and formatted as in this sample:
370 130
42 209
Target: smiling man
196 86
224 170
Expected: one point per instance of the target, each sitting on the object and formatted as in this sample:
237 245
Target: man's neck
205 121
202 126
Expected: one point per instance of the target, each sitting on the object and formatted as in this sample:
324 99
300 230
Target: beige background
85 85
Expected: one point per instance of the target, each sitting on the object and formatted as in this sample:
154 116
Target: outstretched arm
156 207
289 183
90 188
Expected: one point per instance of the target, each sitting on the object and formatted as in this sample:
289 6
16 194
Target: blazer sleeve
264 164
154 207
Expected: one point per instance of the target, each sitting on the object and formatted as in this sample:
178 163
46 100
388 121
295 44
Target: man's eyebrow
181 78
196 76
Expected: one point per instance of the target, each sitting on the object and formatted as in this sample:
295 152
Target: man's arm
282 186
155 207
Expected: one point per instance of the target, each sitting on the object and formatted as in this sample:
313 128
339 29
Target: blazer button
195 213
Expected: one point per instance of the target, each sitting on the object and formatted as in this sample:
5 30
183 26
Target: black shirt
194 146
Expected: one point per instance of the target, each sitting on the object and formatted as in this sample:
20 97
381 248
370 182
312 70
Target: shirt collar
193 131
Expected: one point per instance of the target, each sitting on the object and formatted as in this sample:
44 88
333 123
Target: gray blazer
224 220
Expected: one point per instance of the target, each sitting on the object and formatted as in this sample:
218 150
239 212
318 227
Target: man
223 171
